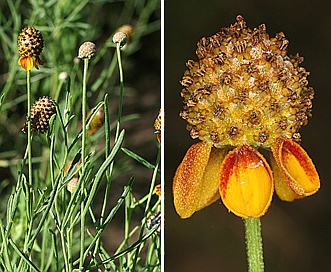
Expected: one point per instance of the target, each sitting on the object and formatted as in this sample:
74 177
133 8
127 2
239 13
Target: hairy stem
254 244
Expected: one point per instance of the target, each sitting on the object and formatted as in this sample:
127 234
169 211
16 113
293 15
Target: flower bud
120 38
87 50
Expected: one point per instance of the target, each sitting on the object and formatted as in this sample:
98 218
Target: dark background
297 235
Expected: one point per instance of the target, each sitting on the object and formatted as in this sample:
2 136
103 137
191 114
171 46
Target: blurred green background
296 236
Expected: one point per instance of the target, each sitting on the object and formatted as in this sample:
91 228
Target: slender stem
254 244
120 103
82 216
69 244
29 152
108 171
148 201
84 112
28 86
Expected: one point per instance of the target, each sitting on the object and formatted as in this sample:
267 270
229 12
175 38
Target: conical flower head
245 89
30 45
30 42
244 92
40 114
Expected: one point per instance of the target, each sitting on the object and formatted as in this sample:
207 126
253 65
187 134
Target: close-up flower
244 93
30 45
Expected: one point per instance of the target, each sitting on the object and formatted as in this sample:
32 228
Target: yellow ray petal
187 178
246 184
296 167
282 189
209 192
196 181
26 63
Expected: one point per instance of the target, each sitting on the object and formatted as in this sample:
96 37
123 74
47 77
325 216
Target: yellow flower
244 93
30 45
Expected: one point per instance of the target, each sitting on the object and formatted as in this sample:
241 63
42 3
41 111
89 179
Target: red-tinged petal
297 168
26 63
37 61
195 184
187 180
246 185
282 189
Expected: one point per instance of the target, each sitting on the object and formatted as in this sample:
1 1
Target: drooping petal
26 63
37 61
282 189
297 169
246 182
209 192
187 180
196 181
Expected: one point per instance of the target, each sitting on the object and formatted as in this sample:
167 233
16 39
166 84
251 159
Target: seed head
40 114
87 50
245 89
30 45
30 42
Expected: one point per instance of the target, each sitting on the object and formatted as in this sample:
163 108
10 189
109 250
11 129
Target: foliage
40 223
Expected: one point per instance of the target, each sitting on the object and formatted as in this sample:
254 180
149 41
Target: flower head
244 93
158 126
41 112
30 45
87 50
121 38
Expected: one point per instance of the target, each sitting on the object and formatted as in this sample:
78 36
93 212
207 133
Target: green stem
108 171
29 197
148 201
28 86
120 103
82 216
254 244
